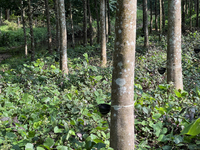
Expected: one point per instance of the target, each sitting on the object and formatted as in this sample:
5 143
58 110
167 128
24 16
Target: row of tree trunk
187 8
122 100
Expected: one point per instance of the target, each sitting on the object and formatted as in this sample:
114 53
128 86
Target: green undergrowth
11 35
42 109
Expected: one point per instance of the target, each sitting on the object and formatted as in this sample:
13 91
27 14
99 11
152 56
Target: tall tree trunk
32 51
90 22
48 27
183 15
7 14
106 13
151 15
186 6
197 19
103 33
122 99
174 67
72 24
190 3
0 15
98 30
163 13
24 28
109 29
160 19
63 37
145 22
156 16
57 26
85 22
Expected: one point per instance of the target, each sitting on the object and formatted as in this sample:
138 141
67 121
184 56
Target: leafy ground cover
41 109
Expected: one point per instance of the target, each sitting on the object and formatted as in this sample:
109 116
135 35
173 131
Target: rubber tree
85 22
183 14
161 15
97 14
0 15
48 27
90 23
24 27
72 24
174 67
63 37
122 99
156 16
103 33
151 15
57 26
197 17
145 22
30 15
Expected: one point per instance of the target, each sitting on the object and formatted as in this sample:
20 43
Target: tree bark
24 29
106 14
174 67
48 27
160 20
122 99
109 29
190 3
197 18
98 30
156 16
85 22
57 26
103 33
151 15
72 24
63 37
163 13
90 22
0 15
145 21
183 15
186 7
32 50
7 14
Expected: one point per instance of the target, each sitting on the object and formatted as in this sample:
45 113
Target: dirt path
4 56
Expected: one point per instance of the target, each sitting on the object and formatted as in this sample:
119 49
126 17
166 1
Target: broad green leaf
161 110
145 110
160 137
98 78
29 146
178 94
49 142
40 148
99 145
31 134
156 116
193 128
57 130
46 99
101 128
178 139
61 148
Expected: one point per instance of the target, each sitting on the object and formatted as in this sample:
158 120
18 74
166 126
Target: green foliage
14 36
54 111
12 25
